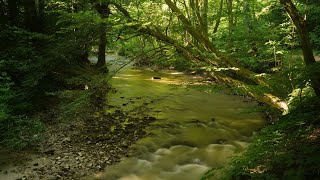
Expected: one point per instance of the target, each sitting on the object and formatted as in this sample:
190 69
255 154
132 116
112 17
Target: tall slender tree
104 10
218 17
300 23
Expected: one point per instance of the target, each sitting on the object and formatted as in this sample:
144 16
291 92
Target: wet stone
221 141
49 152
67 139
36 164
66 168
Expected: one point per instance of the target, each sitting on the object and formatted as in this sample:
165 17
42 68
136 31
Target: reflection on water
195 131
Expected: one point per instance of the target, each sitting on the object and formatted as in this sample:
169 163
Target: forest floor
75 149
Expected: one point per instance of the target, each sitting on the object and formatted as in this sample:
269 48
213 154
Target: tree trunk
247 16
193 15
41 16
218 18
189 27
13 12
230 22
30 15
102 46
204 15
301 24
265 98
104 11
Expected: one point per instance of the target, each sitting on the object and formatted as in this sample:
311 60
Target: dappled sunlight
275 100
160 90
227 69
119 77
129 75
168 81
314 135
259 169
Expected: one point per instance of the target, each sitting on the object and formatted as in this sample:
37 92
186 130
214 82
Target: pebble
90 156
67 139
66 168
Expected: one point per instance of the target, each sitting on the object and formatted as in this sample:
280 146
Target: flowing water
195 130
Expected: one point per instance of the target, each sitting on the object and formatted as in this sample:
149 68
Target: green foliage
313 21
18 57
20 132
35 65
91 88
17 132
287 149
5 94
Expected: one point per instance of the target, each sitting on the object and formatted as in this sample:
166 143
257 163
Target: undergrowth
287 149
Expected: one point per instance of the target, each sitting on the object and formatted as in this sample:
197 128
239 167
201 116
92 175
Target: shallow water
194 131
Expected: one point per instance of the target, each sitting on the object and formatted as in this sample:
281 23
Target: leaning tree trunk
301 24
190 55
210 48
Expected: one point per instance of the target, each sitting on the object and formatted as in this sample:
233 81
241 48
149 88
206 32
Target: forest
90 85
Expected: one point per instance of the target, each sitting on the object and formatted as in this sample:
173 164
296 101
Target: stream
196 128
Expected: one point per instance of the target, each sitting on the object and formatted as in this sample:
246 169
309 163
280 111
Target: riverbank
84 135
81 146
286 149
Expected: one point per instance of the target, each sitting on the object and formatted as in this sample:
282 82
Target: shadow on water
194 131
